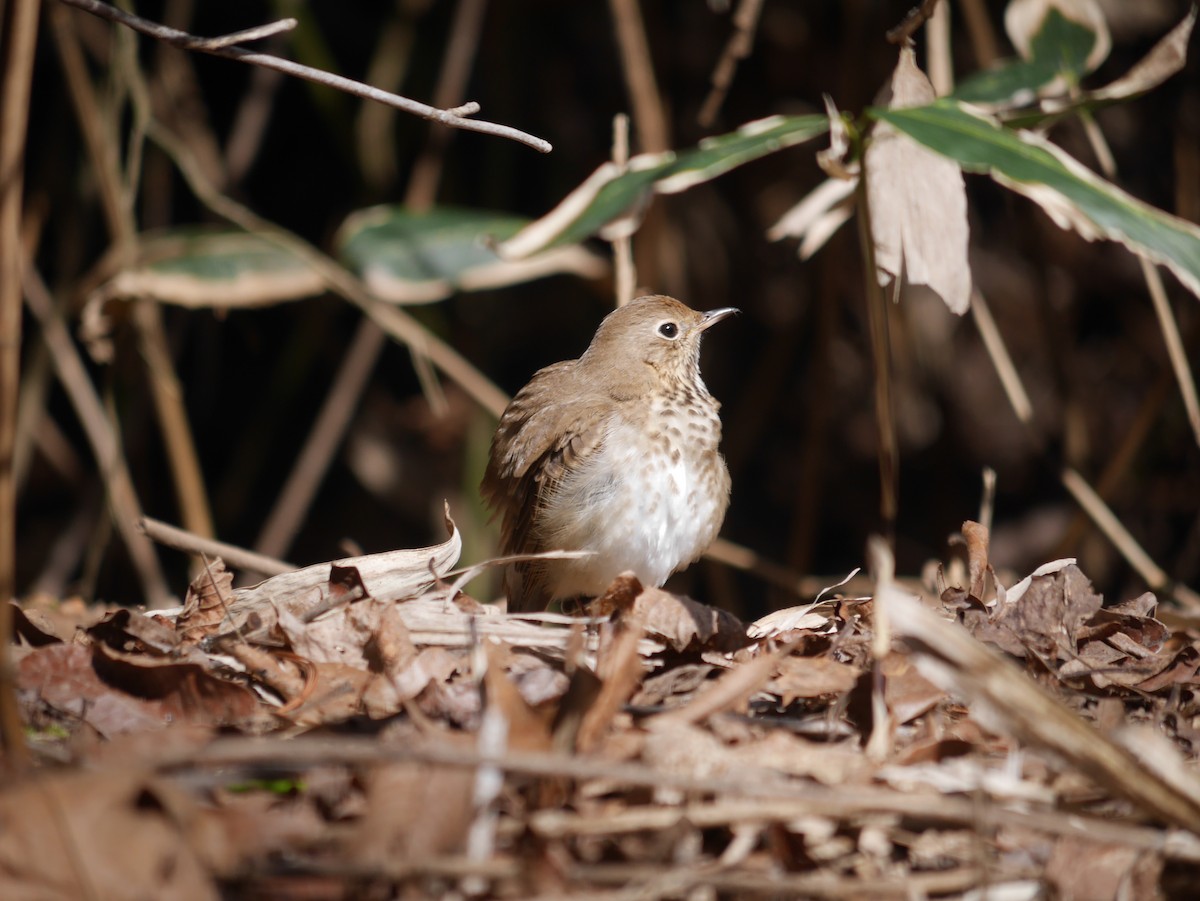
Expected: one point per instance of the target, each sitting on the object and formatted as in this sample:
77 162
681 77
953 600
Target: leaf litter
342 740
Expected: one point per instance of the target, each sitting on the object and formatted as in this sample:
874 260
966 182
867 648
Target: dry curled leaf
207 602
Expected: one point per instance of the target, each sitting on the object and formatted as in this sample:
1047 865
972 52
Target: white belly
652 513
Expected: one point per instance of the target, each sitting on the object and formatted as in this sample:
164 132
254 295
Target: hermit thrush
613 453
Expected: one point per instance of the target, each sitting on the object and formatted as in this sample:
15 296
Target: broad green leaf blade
717 155
1164 60
1071 194
193 267
408 257
609 195
1014 83
1058 49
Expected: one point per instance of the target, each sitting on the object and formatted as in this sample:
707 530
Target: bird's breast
650 499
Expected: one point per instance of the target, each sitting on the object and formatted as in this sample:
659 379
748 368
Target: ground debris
425 745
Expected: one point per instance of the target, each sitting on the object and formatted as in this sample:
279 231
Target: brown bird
614 453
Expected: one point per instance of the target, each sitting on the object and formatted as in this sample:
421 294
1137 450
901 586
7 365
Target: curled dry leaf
389 576
1167 57
791 619
684 623
977 556
116 692
39 623
811 677
1011 703
1046 619
207 602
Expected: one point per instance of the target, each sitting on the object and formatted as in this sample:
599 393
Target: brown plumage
614 453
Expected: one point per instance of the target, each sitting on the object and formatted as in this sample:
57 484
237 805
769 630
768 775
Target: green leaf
1060 48
199 267
283 785
1074 196
614 198
409 257
1064 45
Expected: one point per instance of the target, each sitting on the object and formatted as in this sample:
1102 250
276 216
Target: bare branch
745 23
220 46
190 543
916 17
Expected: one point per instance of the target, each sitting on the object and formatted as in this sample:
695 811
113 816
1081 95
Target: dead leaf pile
360 733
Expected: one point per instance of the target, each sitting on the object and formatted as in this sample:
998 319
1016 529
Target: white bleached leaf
815 218
917 201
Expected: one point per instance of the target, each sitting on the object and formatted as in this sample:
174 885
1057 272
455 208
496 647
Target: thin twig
219 47
375 134
626 272
90 410
983 36
1089 500
236 557
165 387
916 17
940 59
457 62
881 355
767 799
648 118
1154 284
325 437
395 322
1114 530
1002 361
987 501
737 48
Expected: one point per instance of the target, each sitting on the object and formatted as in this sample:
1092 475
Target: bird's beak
712 317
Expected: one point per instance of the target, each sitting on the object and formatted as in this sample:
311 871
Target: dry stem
19 42
220 46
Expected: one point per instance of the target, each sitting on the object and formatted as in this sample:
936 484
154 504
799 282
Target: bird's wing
551 427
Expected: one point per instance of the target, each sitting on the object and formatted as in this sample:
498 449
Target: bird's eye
668 330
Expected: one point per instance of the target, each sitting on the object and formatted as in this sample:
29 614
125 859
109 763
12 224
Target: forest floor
361 731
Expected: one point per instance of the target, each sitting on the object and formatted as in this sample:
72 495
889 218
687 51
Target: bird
615 453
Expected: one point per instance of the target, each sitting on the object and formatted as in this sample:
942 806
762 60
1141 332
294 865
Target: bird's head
650 339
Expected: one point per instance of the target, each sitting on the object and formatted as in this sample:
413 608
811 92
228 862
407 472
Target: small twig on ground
220 46
750 798
737 48
236 557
